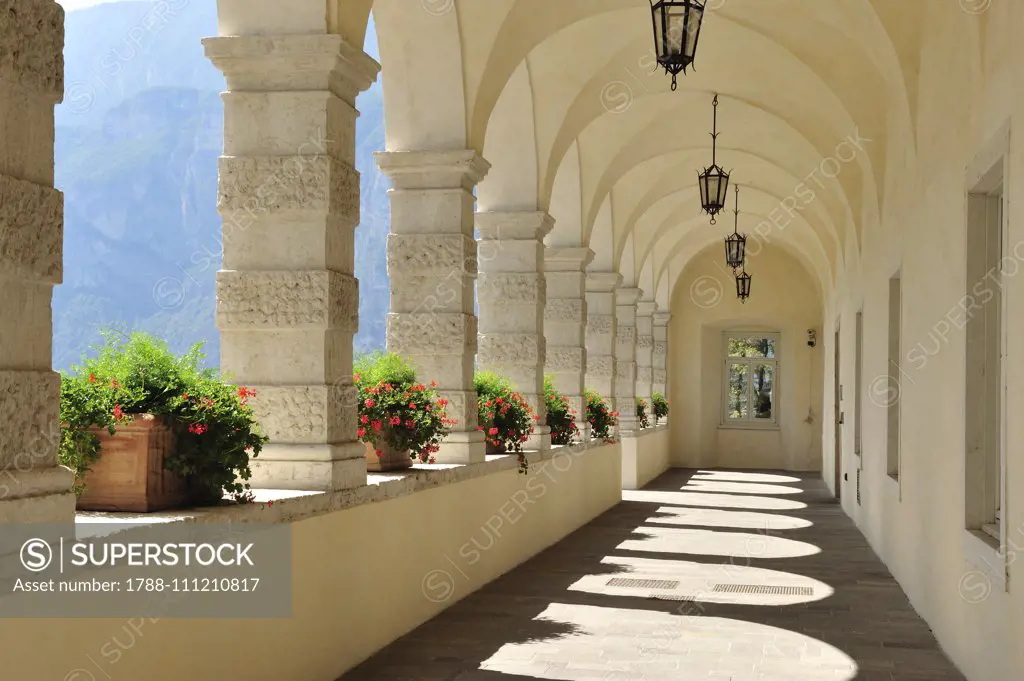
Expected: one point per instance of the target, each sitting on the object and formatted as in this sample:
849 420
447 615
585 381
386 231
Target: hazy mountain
138 138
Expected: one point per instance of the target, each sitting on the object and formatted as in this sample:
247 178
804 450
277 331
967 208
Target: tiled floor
747 577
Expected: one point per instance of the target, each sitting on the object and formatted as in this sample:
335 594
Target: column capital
628 296
603 282
300 62
561 259
662 318
646 308
514 225
433 169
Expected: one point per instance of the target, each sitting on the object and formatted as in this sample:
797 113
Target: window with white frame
750 379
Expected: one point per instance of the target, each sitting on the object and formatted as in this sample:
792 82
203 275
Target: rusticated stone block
660 348
511 348
625 333
431 333
601 365
511 288
624 371
264 185
31 231
659 376
30 403
644 341
287 300
599 323
307 414
565 359
438 256
563 310
32 44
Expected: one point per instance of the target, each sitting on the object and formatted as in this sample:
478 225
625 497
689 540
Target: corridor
735 576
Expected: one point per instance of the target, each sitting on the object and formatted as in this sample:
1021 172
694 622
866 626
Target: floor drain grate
642 583
764 589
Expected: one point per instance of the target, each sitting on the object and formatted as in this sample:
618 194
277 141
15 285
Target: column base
540 440
314 468
462 447
41 495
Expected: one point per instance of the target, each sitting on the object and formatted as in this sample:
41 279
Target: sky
79 4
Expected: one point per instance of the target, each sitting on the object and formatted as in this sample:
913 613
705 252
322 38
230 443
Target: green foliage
503 415
660 407
398 410
561 417
641 413
600 416
215 430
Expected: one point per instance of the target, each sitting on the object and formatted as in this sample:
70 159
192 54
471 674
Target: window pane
752 346
736 408
763 378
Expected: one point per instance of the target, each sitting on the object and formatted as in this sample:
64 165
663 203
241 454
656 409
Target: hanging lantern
676 29
743 285
714 181
736 243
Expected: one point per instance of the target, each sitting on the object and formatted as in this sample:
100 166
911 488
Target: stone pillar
432 264
512 292
625 358
287 300
565 326
644 352
659 356
33 487
601 287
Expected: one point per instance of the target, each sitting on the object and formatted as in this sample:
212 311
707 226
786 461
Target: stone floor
734 576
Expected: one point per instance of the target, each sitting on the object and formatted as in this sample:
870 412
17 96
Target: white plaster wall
362 577
917 524
645 457
783 299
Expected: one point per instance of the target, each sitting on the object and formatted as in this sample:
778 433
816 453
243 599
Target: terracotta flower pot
390 458
130 475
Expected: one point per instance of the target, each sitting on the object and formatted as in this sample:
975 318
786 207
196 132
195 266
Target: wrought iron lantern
714 181
676 29
736 243
743 285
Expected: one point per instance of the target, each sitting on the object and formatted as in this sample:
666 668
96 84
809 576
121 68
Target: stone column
625 358
659 356
287 300
644 352
432 264
601 364
33 487
512 292
565 326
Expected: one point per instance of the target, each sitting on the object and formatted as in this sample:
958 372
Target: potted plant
145 430
400 419
561 417
641 413
600 416
660 407
503 415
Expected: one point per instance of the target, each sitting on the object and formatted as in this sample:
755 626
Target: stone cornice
459 168
646 308
662 318
603 282
516 226
628 296
562 259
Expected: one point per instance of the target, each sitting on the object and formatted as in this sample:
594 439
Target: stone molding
646 308
603 282
32 45
321 299
462 168
662 318
514 226
575 259
627 296
298 183
31 231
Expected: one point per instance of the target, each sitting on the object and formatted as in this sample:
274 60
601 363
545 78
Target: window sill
982 551
751 425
